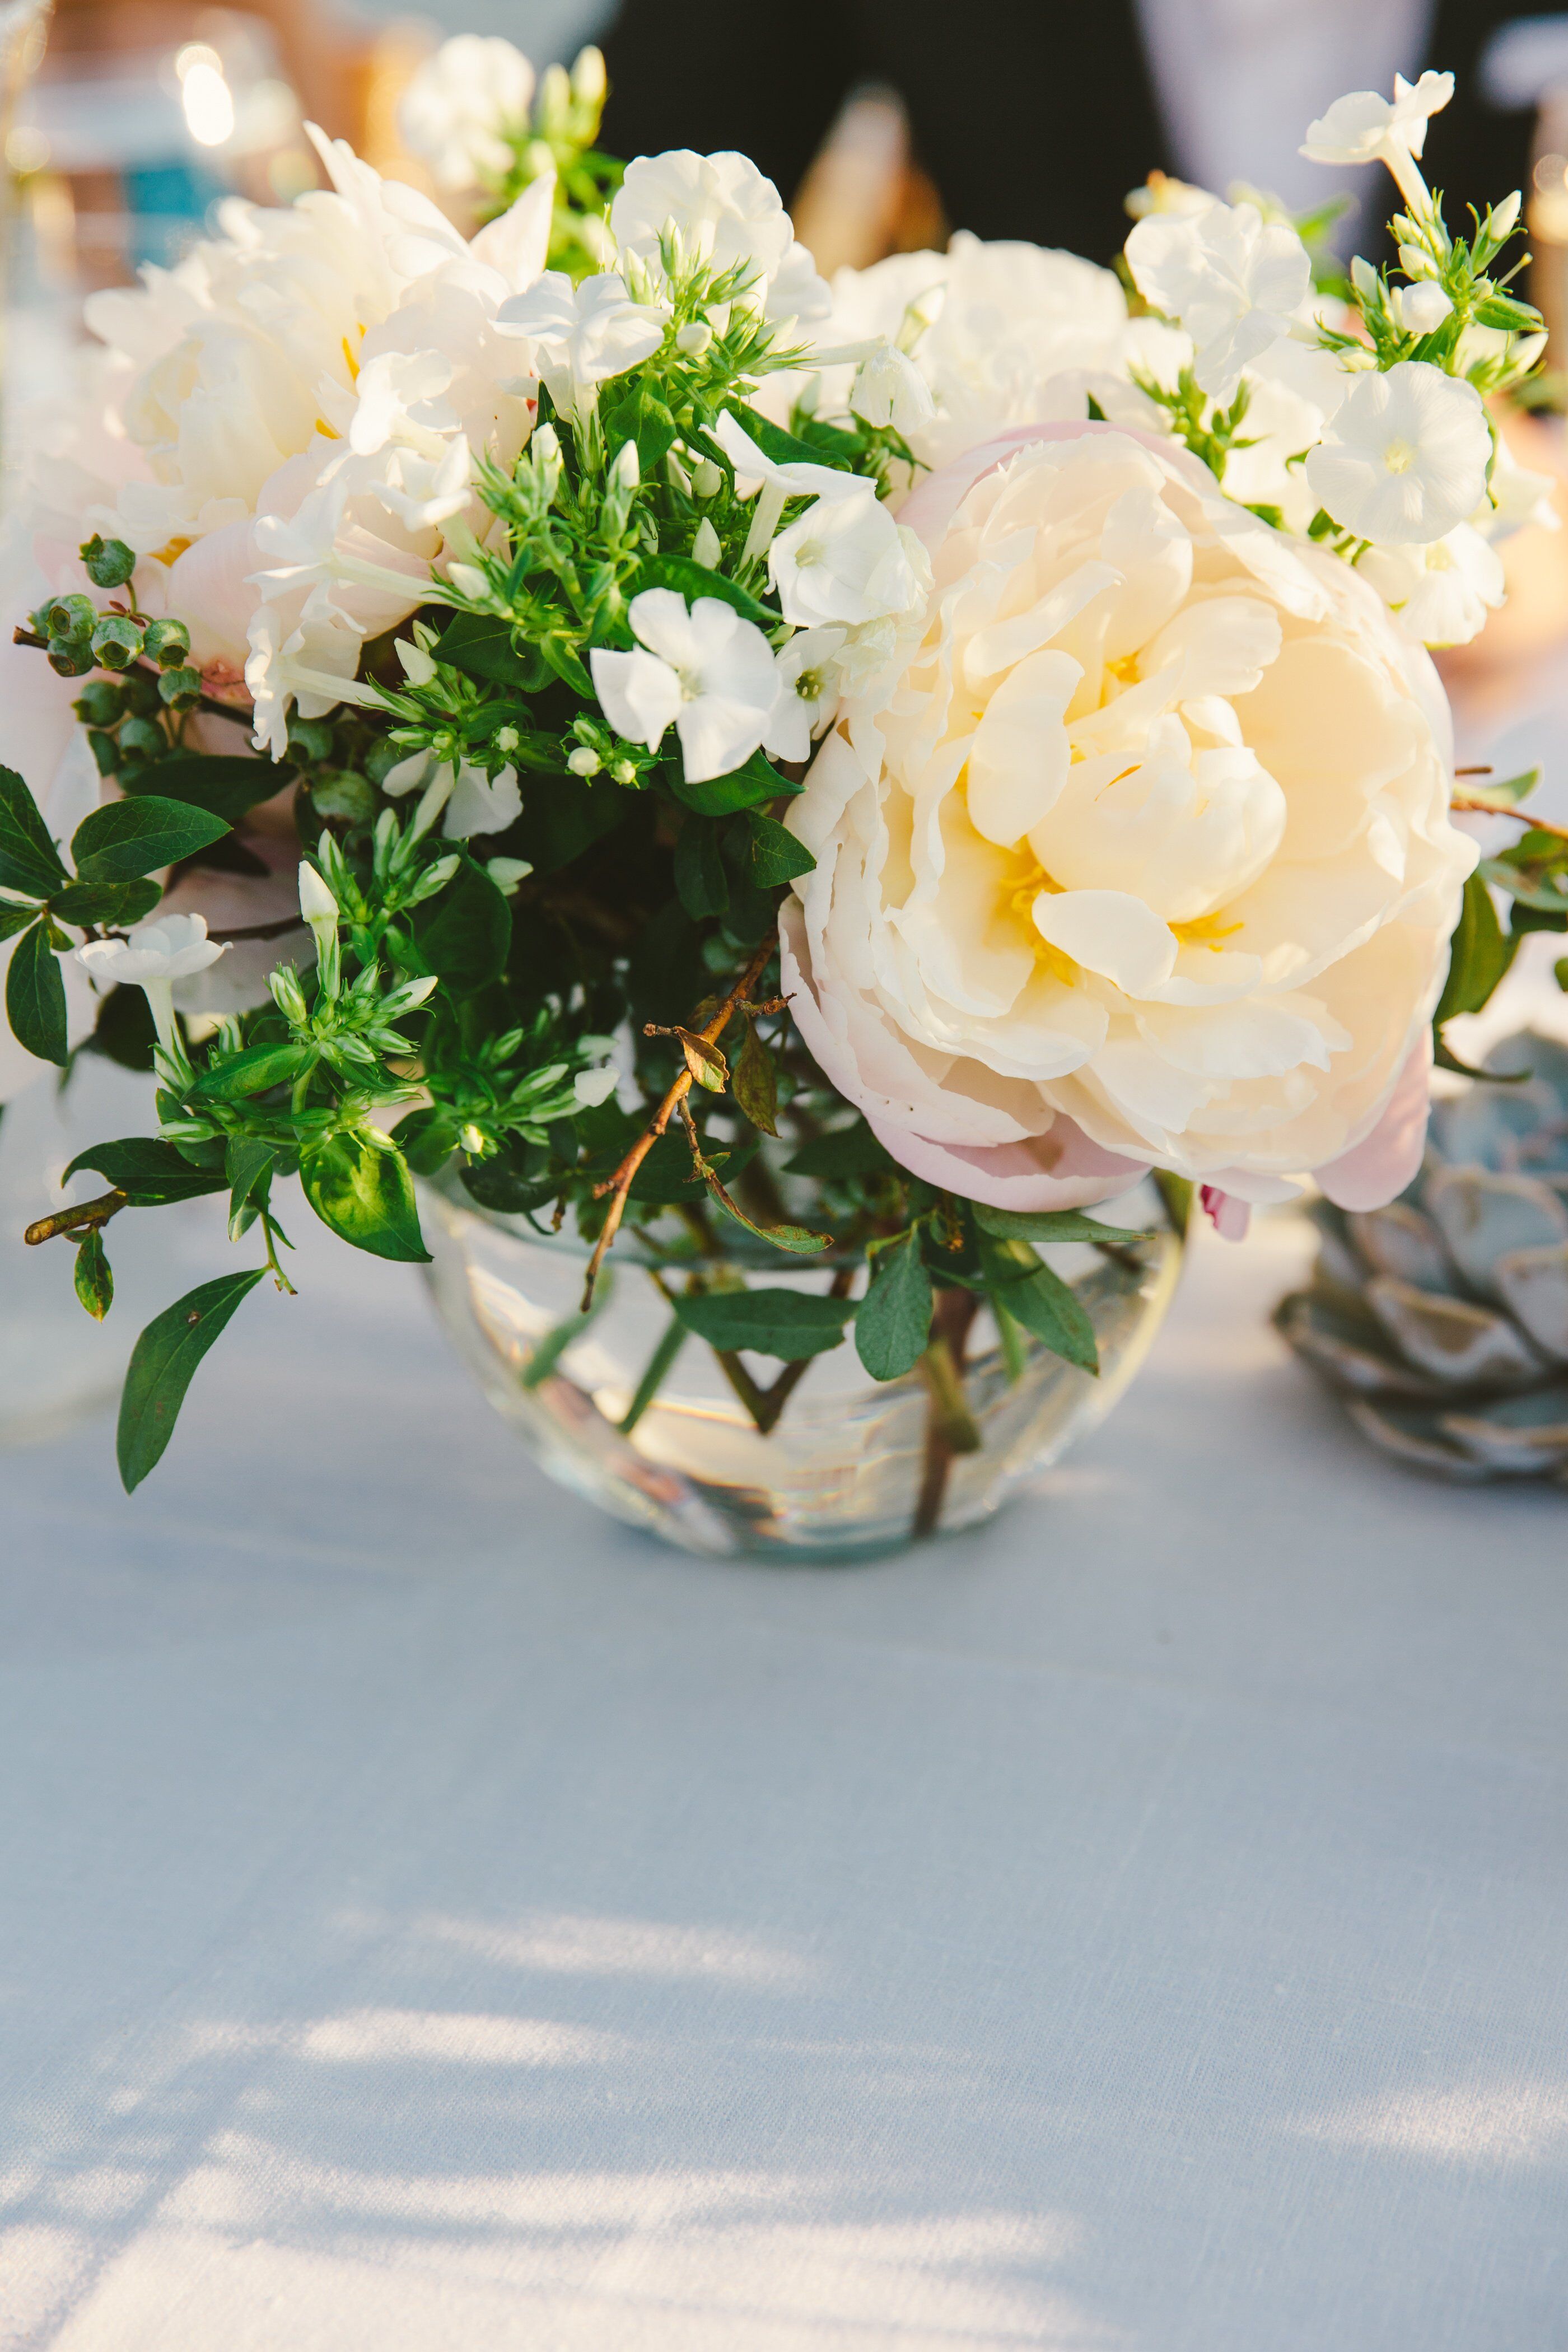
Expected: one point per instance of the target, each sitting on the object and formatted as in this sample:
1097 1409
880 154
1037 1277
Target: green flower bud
110 563
143 739
70 617
99 704
117 641
69 658
181 688
168 643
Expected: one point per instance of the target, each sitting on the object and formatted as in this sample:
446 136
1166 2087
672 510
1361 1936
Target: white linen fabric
435 1920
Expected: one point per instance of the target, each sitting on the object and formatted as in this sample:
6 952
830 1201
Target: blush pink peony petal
1229 1217
1059 1170
932 504
1376 1170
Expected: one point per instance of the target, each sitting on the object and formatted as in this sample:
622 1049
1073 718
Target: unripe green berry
140 689
117 641
110 563
71 616
69 658
181 688
309 740
101 703
168 643
141 739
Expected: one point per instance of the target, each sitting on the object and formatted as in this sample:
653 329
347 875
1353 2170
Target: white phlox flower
1443 593
846 560
1405 457
463 108
311 666
475 802
808 673
1518 498
707 672
1420 309
581 336
154 955
1364 127
720 209
889 391
1231 279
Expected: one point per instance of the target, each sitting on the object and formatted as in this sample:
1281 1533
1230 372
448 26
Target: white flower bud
626 472
588 77
583 760
593 1087
467 581
1503 218
889 391
506 872
707 479
507 740
1421 309
317 903
417 666
694 338
705 545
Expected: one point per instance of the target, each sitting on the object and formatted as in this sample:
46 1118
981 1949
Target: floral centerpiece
863 774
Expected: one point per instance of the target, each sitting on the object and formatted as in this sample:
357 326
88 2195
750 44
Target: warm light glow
207 100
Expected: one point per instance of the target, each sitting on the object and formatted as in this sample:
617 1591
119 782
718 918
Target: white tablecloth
432 1919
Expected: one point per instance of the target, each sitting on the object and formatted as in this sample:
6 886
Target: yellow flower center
1205 931
1020 902
1399 457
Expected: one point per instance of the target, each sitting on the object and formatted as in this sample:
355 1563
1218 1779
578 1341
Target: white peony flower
464 107
1142 858
581 335
156 954
1366 129
1405 457
808 673
720 209
706 672
1230 278
473 802
1443 593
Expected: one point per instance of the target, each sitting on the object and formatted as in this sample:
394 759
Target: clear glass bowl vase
850 1468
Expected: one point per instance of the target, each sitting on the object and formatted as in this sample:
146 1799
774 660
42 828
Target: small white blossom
313 667
889 391
1405 457
706 672
155 955
461 105
1442 593
593 1087
1517 498
473 801
506 872
1366 129
807 669
846 560
1230 278
721 210
581 335
1421 309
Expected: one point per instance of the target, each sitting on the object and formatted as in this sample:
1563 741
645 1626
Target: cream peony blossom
1144 858
464 106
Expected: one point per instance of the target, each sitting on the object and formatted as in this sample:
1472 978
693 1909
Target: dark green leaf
783 1323
363 1190
1042 1302
248 1165
15 918
224 786
561 817
785 449
128 838
483 645
235 1076
568 667
125 1031
691 580
94 1277
845 1151
149 1173
775 855
754 1083
161 1363
427 1139
701 882
1479 953
105 902
666 1174
1051 1225
28 859
756 780
894 1321
36 996
465 931
641 416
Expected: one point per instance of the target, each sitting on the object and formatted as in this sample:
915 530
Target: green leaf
893 1324
701 882
363 1190
161 1363
1479 955
483 645
845 1151
563 818
640 416
654 1373
788 1324
427 1139
94 1276
15 918
1051 1225
1500 310
1041 1301
465 932
224 786
568 667
666 1175
754 1083
126 839
755 781
105 902
785 449
248 1165
235 1077
691 580
775 855
28 859
150 1174
36 996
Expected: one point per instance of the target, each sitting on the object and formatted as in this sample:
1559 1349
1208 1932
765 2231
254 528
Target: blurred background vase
647 1421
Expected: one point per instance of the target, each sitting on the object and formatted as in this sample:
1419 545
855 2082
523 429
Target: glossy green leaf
128 838
249 1165
788 1324
36 996
14 918
893 1324
692 580
483 645
1042 1302
150 1174
161 1364
701 882
1479 955
1051 1225
363 1192
28 858
121 903
225 786
775 855
832 448
234 1077
94 1276
464 933
843 1151
756 780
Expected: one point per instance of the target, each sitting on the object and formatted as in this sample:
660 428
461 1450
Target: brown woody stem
85 1218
